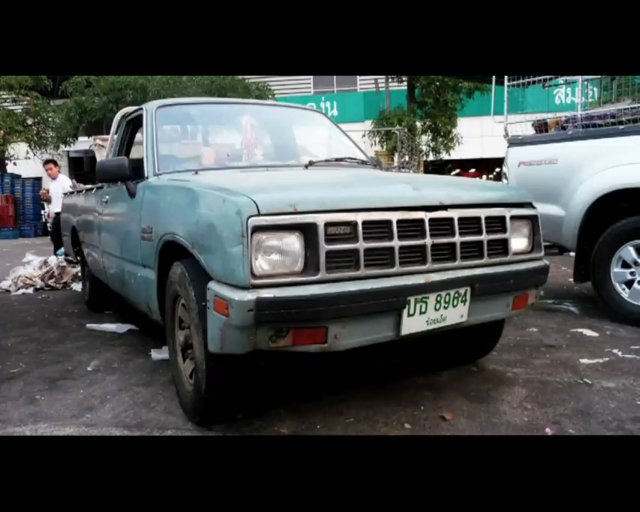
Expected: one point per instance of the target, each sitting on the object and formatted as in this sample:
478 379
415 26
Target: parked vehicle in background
581 165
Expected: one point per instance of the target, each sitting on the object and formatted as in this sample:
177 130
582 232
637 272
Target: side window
136 149
131 146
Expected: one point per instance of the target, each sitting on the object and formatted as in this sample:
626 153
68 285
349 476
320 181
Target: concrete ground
58 377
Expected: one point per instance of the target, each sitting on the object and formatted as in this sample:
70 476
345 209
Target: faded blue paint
340 188
207 213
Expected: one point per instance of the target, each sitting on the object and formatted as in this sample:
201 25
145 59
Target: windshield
210 136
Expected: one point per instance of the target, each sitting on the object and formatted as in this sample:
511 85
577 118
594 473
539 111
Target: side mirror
112 170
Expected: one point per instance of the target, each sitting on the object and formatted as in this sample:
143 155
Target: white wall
481 137
29 165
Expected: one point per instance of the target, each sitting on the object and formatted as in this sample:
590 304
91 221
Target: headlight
277 253
521 236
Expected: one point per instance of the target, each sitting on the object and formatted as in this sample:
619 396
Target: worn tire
204 400
95 293
606 248
468 345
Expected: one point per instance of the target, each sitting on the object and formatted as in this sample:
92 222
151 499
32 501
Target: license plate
435 310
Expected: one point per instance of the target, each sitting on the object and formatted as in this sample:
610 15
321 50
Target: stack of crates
30 220
8 208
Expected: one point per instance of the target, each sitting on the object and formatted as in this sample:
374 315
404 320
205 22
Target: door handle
105 199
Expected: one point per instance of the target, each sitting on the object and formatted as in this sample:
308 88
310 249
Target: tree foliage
94 100
429 120
92 103
28 116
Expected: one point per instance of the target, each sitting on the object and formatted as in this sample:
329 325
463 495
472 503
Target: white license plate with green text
435 310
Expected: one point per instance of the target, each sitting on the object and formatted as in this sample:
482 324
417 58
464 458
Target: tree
94 100
429 120
27 116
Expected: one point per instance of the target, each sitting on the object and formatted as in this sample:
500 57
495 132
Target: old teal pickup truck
247 225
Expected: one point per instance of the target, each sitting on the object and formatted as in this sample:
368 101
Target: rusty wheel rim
184 341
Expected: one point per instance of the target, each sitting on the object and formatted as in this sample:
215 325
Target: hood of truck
279 191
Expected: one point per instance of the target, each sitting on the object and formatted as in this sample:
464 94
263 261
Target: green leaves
95 100
27 116
431 118
92 103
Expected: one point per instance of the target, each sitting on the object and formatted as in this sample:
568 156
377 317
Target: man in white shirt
58 186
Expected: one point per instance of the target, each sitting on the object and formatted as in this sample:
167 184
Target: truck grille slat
412 256
443 253
470 226
472 250
383 257
498 248
342 261
377 231
495 225
411 229
442 228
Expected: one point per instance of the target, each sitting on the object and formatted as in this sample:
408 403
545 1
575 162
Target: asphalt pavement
562 367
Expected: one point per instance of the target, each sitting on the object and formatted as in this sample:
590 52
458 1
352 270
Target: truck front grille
373 244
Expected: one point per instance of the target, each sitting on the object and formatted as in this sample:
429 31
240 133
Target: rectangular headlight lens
277 253
521 237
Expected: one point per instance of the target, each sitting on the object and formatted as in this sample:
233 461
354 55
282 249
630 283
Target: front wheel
200 377
616 270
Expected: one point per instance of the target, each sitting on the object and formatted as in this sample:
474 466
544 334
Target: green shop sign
356 107
350 107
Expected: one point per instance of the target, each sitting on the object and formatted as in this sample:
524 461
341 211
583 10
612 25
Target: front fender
211 224
605 181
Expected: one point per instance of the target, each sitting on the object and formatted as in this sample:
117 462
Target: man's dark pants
56 233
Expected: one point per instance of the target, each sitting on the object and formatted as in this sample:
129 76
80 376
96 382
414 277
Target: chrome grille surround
321 274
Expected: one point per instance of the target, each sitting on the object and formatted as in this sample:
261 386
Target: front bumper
358 312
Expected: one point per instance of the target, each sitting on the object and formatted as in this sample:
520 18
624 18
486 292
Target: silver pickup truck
582 170
258 226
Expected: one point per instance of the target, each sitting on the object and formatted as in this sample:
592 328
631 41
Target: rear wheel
201 378
616 270
95 293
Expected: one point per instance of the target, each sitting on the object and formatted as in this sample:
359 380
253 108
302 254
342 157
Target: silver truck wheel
625 272
615 270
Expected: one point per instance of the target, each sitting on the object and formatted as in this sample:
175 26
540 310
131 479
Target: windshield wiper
350 159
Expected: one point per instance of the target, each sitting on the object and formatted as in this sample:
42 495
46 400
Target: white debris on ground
93 366
40 273
76 287
620 354
586 332
160 354
532 329
594 361
117 328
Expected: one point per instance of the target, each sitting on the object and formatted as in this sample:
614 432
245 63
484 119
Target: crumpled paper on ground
160 354
41 273
117 328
